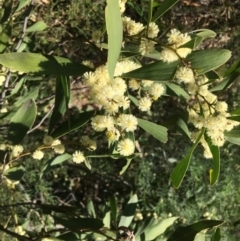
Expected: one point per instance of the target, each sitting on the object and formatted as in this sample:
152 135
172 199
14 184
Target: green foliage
43 180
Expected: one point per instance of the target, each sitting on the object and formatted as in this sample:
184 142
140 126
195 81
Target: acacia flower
47 140
153 30
38 155
78 157
59 149
127 122
126 147
144 104
17 150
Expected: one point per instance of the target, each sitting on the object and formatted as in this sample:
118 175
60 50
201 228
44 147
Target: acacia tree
141 69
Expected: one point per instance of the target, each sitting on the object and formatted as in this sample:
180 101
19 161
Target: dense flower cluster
173 50
111 95
207 111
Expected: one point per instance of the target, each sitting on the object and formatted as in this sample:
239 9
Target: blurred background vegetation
70 26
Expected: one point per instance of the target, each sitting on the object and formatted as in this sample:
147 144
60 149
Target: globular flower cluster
173 50
206 111
111 95
131 28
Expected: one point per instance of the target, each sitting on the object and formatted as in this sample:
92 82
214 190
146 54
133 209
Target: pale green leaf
41 64
115 34
37 27
157 131
129 212
152 232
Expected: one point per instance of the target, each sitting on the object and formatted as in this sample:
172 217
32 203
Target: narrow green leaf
48 209
159 228
17 87
5 36
182 127
115 34
7 11
69 236
41 64
158 71
150 9
176 90
181 168
113 207
90 208
22 121
53 162
203 61
164 7
124 168
75 123
214 173
107 220
188 233
22 4
217 235
157 131
61 101
200 237
79 223
14 174
205 33
129 212
32 94
37 27
233 136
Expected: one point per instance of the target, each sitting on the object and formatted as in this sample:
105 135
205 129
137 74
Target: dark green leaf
15 173
113 207
115 34
181 168
129 212
22 121
75 123
69 236
158 71
157 131
164 7
48 209
203 61
54 161
189 232
6 8
41 64
79 223
214 173
217 235
61 101
5 36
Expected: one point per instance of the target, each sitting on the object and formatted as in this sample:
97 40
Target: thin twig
40 123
